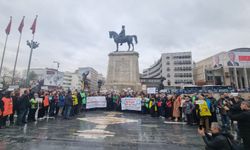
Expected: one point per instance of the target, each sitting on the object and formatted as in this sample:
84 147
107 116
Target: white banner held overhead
131 104
96 102
151 90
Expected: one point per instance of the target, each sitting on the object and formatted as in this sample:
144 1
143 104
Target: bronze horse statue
127 39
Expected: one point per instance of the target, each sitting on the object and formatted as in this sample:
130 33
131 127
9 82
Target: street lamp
33 45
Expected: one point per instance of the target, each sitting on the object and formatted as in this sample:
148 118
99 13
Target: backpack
159 103
189 108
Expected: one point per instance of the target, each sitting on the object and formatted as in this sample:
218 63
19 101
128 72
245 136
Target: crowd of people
31 106
215 118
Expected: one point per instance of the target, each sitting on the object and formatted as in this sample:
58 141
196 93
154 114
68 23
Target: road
102 130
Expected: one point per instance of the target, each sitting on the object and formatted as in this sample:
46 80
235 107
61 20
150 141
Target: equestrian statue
123 38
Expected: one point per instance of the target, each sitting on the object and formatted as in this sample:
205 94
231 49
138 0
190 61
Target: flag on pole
20 28
33 27
7 30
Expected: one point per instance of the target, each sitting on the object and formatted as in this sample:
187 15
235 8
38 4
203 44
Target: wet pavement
102 130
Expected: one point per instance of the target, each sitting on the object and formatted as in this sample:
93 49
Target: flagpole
1 67
14 71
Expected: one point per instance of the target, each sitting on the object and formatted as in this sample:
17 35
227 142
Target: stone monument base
123 71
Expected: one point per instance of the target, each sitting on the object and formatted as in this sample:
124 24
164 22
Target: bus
217 88
191 89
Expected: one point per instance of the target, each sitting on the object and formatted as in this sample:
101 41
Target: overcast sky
75 32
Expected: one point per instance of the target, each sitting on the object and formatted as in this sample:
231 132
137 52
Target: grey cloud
76 32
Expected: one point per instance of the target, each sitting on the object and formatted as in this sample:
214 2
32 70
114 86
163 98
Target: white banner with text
96 102
131 104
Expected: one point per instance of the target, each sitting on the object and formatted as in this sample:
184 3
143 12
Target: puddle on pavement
102 123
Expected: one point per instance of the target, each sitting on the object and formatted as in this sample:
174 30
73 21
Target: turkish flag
7 30
20 28
33 27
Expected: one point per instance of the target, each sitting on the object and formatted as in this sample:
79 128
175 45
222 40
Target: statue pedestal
123 71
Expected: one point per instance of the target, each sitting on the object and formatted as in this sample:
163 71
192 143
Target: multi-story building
67 79
230 68
177 68
71 81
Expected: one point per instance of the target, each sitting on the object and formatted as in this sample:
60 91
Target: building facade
231 68
67 80
177 68
50 77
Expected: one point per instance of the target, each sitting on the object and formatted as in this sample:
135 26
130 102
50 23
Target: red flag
33 27
7 30
20 28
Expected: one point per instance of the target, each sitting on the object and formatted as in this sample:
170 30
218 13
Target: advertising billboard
232 59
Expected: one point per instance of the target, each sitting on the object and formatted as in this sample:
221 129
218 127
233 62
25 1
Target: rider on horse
122 33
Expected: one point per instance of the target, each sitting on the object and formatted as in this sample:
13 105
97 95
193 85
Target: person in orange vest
46 104
1 111
7 106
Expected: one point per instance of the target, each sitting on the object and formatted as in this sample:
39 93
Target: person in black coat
68 103
242 115
216 141
22 108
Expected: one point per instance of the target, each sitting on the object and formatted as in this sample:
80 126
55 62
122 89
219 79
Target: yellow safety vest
75 100
204 110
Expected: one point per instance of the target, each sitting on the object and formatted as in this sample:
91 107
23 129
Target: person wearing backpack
189 107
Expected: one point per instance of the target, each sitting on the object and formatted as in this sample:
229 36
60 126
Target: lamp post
33 45
58 65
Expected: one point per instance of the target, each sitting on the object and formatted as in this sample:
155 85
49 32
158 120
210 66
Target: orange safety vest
8 106
46 101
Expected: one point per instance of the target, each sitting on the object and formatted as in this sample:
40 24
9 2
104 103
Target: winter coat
68 100
216 142
243 118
